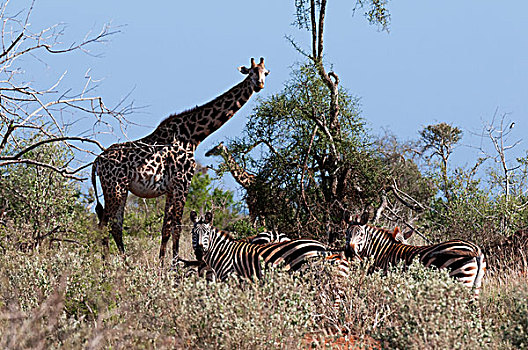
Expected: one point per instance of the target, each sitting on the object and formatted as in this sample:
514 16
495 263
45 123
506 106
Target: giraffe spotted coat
163 163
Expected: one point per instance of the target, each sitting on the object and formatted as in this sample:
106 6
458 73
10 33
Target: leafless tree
499 135
30 116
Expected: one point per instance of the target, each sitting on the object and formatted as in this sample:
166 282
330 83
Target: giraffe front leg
172 223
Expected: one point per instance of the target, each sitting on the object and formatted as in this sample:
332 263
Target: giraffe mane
208 104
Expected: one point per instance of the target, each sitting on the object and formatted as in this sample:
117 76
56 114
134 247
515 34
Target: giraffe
241 176
163 163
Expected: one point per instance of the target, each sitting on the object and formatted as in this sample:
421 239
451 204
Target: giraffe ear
208 218
194 217
243 70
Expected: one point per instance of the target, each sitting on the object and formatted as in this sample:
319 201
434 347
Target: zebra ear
194 217
208 218
364 218
398 235
408 234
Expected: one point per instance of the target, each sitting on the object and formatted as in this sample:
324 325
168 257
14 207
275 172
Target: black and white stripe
267 237
464 260
201 269
225 255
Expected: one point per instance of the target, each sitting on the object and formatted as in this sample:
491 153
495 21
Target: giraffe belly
149 187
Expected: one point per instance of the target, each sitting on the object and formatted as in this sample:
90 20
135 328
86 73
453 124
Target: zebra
464 260
225 255
200 268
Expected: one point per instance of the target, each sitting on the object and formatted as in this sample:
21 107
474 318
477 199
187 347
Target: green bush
416 308
506 304
38 204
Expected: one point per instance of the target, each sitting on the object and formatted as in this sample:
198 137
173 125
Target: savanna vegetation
316 162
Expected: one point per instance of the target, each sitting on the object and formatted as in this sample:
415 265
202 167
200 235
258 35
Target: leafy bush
71 298
38 203
67 297
506 304
415 308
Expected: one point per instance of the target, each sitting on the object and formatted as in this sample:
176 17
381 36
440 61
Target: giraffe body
163 163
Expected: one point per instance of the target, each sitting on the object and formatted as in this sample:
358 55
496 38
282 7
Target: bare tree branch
32 117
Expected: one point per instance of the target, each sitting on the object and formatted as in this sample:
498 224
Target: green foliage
66 297
469 204
415 308
309 169
376 12
116 305
37 203
244 228
509 309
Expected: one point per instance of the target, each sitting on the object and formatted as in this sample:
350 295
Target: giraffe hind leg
113 216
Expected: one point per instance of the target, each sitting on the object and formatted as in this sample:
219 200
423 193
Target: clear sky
452 61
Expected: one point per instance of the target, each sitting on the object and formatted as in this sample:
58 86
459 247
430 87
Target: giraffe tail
99 210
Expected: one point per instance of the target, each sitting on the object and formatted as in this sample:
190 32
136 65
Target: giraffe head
256 74
218 150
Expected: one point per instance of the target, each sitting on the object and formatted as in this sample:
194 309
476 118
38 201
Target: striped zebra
464 260
225 255
201 269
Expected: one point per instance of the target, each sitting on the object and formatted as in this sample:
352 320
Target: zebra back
267 237
464 260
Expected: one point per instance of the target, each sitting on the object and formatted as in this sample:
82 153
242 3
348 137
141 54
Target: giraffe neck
196 124
240 175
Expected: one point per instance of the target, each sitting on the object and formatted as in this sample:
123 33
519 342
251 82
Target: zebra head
201 233
356 236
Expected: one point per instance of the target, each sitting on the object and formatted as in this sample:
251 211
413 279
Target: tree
27 110
306 177
39 152
316 162
439 141
37 203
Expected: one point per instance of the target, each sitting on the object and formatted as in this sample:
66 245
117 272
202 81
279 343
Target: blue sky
452 61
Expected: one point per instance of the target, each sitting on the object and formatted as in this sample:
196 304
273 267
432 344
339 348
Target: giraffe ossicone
162 163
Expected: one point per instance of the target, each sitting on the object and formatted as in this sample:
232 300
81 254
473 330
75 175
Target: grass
65 296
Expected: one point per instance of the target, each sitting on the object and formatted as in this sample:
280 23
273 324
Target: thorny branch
31 117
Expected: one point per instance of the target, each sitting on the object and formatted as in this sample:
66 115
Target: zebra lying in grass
224 255
464 260
200 268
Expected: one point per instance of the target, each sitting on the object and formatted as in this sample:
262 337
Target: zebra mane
224 233
387 232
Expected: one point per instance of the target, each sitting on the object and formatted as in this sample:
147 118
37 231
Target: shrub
416 308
